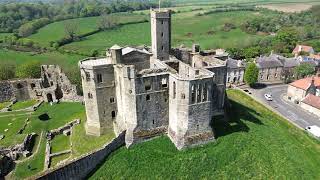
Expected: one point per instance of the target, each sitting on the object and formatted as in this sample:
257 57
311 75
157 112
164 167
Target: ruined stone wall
126 101
139 60
81 167
6 91
182 54
152 103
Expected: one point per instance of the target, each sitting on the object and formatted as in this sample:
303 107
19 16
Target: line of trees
26 18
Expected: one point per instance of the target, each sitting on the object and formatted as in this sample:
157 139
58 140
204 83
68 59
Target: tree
236 53
251 74
304 70
71 29
29 70
7 70
288 37
107 22
95 53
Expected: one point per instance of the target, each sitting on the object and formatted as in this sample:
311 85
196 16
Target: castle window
99 78
87 76
164 83
111 100
148 98
113 114
90 96
153 121
193 94
147 84
205 92
161 22
19 86
32 85
199 93
162 34
174 90
183 96
162 47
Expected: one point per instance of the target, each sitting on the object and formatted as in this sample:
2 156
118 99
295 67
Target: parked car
314 130
268 97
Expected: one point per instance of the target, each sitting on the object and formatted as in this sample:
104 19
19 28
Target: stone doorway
49 97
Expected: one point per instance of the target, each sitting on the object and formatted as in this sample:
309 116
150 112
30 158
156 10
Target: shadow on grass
236 115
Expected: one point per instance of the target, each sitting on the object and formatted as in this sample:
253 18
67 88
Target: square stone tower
161 33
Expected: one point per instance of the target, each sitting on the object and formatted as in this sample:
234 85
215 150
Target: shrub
7 70
29 70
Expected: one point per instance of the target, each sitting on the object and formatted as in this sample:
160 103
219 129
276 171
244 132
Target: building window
164 83
205 92
148 98
87 76
199 93
174 90
19 86
90 96
268 77
162 47
261 77
113 114
183 96
99 78
161 22
111 100
147 84
153 121
197 72
162 34
193 94
32 85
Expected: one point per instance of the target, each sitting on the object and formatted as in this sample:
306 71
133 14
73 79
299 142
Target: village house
235 71
302 49
299 89
270 69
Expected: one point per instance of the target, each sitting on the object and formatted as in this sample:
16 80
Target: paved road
288 109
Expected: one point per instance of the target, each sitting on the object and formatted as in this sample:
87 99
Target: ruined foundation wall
81 167
6 91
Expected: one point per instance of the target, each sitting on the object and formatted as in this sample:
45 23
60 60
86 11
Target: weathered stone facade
147 94
53 86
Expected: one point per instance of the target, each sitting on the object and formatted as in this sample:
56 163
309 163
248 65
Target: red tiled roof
305 83
312 100
315 56
303 48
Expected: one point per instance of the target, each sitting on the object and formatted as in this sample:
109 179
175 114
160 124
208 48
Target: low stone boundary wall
81 167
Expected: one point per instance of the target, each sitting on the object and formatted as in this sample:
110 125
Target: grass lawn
65 60
55 160
255 144
56 30
23 104
4 104
60 143
186 28
12 124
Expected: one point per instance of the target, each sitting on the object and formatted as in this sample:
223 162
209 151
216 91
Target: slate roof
233 64
312 100
271 61
290 62
306 82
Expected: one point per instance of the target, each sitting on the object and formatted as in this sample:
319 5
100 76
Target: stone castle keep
152 92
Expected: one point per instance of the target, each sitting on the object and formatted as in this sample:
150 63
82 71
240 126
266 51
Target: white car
268 97
314 130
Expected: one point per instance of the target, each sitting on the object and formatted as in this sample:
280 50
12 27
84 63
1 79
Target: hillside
255 144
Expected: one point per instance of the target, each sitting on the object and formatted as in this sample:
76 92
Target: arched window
193 94
113 114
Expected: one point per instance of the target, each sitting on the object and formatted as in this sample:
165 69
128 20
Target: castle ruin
148 93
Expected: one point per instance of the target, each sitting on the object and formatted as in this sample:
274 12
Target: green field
64 60
59 115
23 104
186 29
56 30
255 144
4 104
